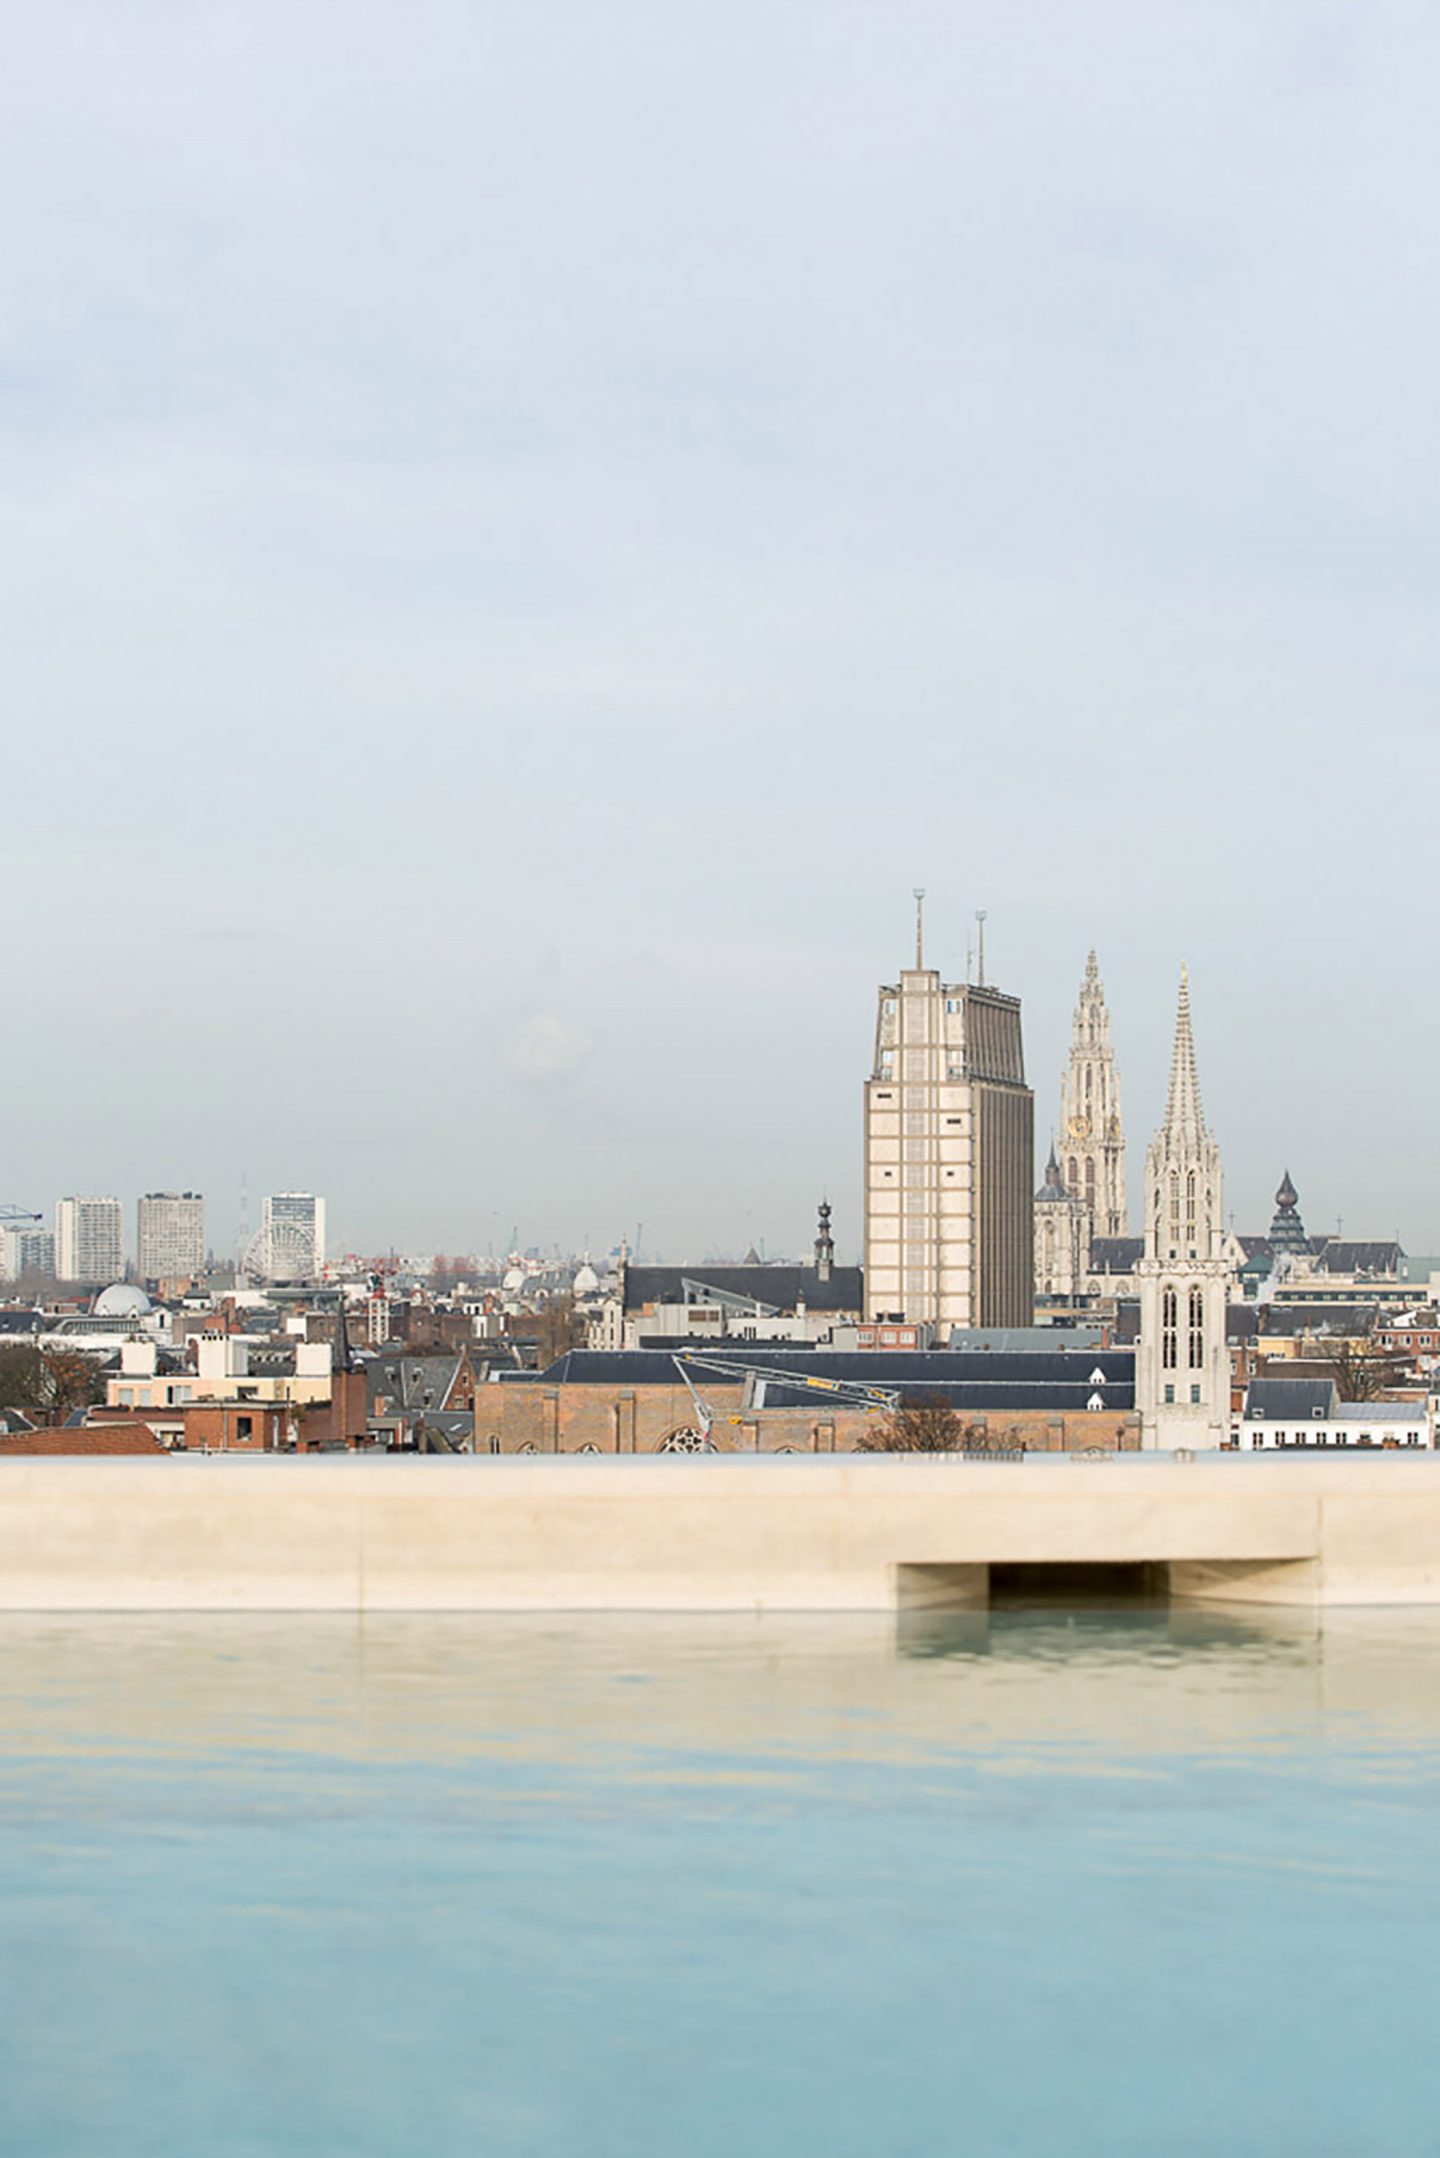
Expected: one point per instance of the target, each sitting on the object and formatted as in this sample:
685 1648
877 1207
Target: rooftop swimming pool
1037 1880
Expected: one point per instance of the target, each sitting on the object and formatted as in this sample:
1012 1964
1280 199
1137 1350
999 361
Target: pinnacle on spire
1183 1113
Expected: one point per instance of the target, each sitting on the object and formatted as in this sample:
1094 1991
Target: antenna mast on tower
919 926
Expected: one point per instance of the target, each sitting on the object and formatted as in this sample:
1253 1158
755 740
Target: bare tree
1360 1373
918 1424
50 1382
561 1327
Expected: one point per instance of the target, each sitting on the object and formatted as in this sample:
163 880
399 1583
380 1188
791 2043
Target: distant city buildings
949 1153
89 1241
170 1236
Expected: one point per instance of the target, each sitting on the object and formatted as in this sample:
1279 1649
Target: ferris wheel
283 1252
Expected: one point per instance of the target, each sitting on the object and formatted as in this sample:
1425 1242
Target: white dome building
122 1301
586 1282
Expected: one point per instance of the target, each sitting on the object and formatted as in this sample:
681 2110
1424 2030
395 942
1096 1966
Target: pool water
1042 1881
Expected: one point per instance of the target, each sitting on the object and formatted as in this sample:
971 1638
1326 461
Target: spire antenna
980 944
919 926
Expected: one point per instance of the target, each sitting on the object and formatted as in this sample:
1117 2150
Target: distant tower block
1182 1366
949 1152
1092 1138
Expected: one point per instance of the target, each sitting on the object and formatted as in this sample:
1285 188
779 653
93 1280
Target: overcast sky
528 527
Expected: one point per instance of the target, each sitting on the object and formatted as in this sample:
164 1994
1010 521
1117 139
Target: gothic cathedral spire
1092 1137
1182 1372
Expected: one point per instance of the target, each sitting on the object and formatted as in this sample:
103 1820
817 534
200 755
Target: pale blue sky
527 528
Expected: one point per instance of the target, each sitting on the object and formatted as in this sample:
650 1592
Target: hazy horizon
527 531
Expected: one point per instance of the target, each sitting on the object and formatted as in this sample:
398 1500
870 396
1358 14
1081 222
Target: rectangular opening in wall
1019 1586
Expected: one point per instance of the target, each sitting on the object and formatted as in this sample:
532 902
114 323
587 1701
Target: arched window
1190 1209
1169 1325
1197 1329
1074 1178
1174 1206
1090 1180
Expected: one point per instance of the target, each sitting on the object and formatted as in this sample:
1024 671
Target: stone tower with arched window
1182 1365
1092 1143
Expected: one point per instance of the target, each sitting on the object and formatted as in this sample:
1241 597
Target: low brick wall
523 1418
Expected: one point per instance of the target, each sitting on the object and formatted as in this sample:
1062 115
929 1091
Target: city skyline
737 1222
1021 424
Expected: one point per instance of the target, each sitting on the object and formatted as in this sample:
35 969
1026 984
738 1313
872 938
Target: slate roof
1280 1401
782 1286
410 1382
979 1396
1116 1254
1344 1257
1059 1380
1287 1320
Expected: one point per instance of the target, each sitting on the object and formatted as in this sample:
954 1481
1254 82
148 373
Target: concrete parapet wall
713 1533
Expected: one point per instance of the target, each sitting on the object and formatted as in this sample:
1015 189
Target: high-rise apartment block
949 1156
292 1236
170 1236
25 1249
89 1241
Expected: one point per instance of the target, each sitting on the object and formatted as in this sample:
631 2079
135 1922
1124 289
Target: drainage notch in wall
1025 1586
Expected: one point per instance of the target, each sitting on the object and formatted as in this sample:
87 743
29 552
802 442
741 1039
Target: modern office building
949 1156
89 1241
292 1236
170 1236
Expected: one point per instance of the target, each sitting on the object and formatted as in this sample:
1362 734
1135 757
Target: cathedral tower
1182 1366
1093 1143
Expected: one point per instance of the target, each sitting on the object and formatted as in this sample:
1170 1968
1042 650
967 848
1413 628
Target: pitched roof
1037 1378
1275 1401
1342 1256
781 1287
107 1439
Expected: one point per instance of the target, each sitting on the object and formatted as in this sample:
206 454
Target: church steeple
1183 1114
1092 1159
1183 1370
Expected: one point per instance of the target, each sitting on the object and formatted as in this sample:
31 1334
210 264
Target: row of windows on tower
1170 1329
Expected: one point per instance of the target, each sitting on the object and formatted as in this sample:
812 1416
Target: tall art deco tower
1182 1369
949 1147
1092 1143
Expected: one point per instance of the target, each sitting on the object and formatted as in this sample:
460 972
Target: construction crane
10 1216
856 1393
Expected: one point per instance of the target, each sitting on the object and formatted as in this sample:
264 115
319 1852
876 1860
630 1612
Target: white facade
1364 1424
1092 1139
292 1236
1182 1364
949 1152
170 1236
89 1240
